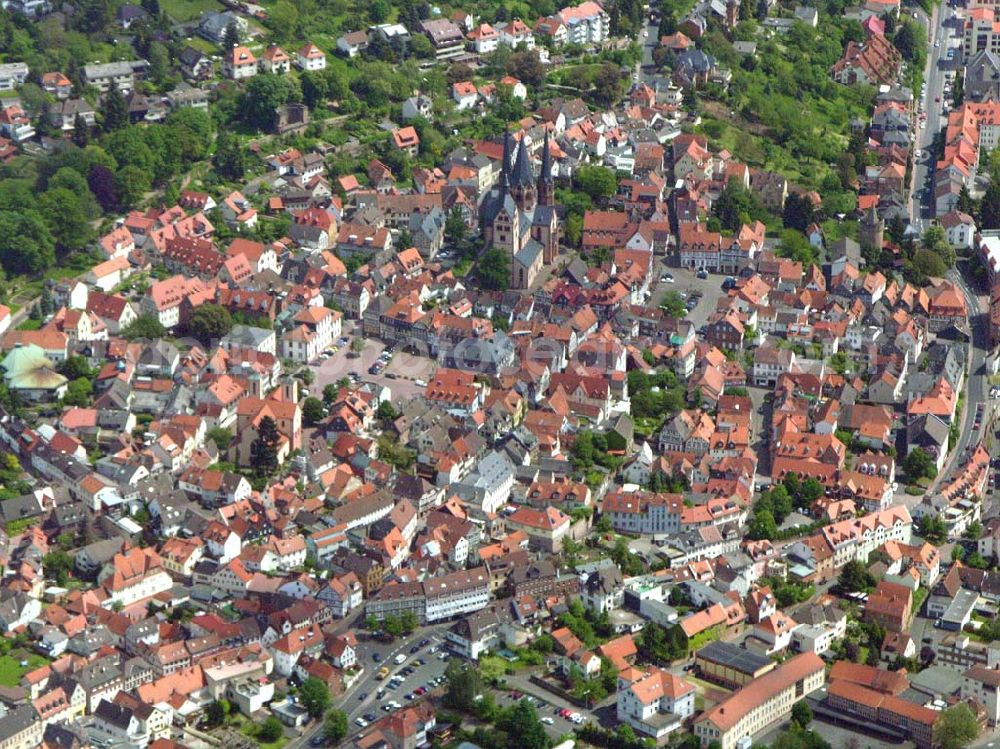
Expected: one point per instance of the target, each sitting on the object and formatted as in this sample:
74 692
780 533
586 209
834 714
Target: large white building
644 512
315 329
458 593
134 575
762 703
587 23
656 704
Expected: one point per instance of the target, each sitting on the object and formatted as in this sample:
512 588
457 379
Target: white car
547 720
361 722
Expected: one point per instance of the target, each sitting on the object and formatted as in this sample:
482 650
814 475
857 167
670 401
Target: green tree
802 715
221 437
378 11
387 412
144 326
231 37
57 566
520 721
673 305
229 159
989 207
312 411
811 490
81 131
454 227
270 730
215 714
159 62
26 244
115 110
263 95
335 726
494 269
264 449
78 392
762 525
911 40
956 727
132 183
408 621
854 578
283 20
926 263
93 15
936 241
65 213
464 685
209 322
75 366
798 213
933 529
598 182
314 696
735 206
918 464
608 85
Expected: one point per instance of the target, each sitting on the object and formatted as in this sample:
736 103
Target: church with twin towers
519 216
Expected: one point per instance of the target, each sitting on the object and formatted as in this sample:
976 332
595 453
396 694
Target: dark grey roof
522 167
117 715
734 657
18 720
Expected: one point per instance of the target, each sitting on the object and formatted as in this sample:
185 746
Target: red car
937 99
515 695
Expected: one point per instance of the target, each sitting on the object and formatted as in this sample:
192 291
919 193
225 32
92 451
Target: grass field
11 669
188 10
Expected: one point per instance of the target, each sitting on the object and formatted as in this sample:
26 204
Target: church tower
546 185
522 181
872 230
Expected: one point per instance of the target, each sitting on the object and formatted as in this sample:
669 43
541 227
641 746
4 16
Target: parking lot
379 697
548 712
685 282
400 375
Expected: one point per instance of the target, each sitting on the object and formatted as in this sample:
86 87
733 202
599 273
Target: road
922 188
649 43
976 381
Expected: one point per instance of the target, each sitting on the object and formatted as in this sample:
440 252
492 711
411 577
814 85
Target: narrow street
921 186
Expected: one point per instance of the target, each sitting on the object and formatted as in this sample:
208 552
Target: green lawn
203 45
188 10
11 669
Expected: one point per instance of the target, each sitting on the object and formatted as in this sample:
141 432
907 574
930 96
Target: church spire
546 187
507 158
